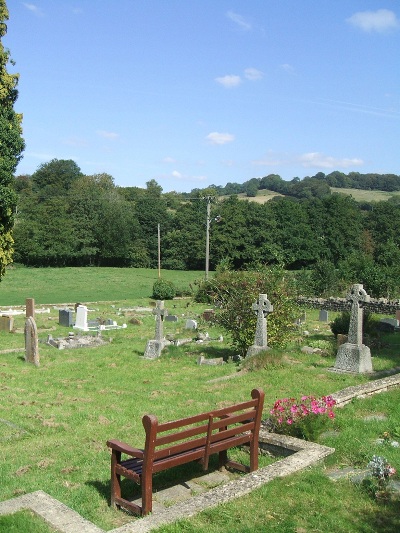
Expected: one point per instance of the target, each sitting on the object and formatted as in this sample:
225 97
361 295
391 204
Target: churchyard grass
56 418
24 521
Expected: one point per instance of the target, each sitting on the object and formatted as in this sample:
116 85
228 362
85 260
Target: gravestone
262 309
154 347
191 324
171 318
353 355
65 317
323 316
6 323
208 314
31 342
30 307
81 318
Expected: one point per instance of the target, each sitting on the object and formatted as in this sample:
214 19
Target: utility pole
208 198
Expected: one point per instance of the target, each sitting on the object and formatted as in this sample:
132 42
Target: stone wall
380 306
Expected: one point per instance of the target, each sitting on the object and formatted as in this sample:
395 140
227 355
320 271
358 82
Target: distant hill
359 195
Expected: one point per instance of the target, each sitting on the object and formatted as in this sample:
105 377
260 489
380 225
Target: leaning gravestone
31 342
154 347
323 316
6 323
353 355
262 308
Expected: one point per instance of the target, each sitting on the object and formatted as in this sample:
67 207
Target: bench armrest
125 448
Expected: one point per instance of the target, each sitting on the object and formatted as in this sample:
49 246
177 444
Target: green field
56 418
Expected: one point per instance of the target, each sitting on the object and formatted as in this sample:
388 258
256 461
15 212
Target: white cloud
169 160
107 134
32 7
253 74
220 138
229 80
239 20
176 174
380 20
319 160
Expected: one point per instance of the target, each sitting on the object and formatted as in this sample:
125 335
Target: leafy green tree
55 177
11 146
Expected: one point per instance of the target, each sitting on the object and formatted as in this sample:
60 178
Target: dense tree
11 146
55 177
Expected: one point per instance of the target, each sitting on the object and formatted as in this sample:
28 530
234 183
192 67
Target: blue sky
199 92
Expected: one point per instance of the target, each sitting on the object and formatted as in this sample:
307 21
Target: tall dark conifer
11 146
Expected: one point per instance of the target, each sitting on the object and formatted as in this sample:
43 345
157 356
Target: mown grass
56 419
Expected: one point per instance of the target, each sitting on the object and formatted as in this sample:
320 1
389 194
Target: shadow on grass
179 475
386 519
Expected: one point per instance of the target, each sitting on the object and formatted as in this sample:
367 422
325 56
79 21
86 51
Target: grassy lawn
56 419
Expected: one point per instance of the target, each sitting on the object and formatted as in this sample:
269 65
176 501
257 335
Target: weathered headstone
65 317
31 342
30 307
154 347
81 318
323 315
191 324
171 318
353 355
208 314
262 309
6 323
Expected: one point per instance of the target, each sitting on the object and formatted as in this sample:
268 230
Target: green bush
163 290
341 323
233 293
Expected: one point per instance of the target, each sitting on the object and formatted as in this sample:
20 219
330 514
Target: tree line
66 218
310 186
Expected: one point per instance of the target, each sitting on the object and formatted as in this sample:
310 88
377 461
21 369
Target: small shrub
341 323
163 290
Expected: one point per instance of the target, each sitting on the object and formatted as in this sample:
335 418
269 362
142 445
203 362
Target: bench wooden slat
194 438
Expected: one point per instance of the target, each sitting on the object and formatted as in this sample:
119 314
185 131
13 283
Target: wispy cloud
35 9
76 141
169 160
239 20
107 134
319 160
253 74
220 138
287 68
380 21
360 108
228 81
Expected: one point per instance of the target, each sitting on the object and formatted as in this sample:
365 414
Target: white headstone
191 324
81 318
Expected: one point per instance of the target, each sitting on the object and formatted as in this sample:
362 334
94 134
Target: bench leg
115 478
223 458
253 455
147 493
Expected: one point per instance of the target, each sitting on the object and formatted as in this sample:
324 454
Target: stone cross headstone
154 347
353 355
30 307
31 342
262 309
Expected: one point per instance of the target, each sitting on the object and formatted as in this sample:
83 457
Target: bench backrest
180 441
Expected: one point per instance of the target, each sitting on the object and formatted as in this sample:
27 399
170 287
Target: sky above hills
199 92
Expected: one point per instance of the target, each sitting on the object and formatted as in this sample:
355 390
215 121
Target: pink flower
289 421
331 414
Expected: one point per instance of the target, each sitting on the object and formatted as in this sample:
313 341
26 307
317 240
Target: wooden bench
194 438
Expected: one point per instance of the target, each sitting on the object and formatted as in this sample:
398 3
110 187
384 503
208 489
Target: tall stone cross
357 296
353 355
262 308
160 314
